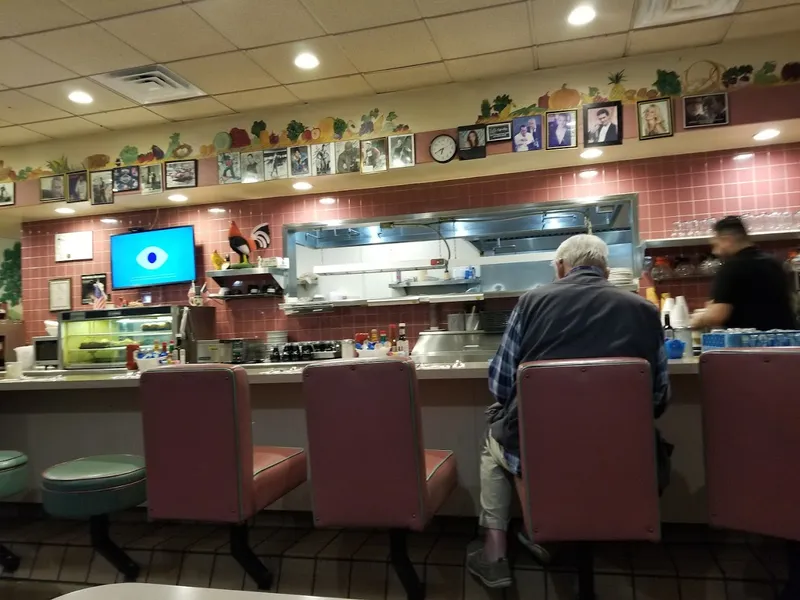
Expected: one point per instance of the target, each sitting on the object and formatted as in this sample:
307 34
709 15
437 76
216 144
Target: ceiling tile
221 73
19 108
103 9
337 17
278 60
408 77
352 85
674 37
78 48
172 33
61 128
491 65
576 52
482 31
56 94
253 99
128 117
549 19
433 8
748 5
765 22
190 109
10 136
389 47
18 17
259 22
21 67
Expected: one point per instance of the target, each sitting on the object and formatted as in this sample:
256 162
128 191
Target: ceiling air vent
652 13
149 85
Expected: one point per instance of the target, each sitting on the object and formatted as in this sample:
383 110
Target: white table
140 591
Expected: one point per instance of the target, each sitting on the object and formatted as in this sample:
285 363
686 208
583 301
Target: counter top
259 374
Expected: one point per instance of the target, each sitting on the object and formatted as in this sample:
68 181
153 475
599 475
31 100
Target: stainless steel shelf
434 283
242 296
703 240
233 273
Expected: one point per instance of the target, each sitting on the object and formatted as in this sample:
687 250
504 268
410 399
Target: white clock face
443 148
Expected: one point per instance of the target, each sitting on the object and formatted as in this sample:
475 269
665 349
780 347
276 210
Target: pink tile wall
671 188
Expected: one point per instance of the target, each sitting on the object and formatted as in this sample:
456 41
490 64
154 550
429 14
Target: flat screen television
150 258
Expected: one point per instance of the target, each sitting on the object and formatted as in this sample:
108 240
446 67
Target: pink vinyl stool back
751 420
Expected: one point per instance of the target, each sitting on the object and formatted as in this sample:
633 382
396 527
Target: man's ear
607 272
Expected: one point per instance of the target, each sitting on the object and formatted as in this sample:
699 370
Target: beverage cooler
98 339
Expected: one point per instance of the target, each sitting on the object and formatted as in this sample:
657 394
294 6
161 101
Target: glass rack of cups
681 267
764 222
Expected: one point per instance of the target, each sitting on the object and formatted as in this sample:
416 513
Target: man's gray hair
583 251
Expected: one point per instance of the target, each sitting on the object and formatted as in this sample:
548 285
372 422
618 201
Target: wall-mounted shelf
703 240
435 283
269 275
242 296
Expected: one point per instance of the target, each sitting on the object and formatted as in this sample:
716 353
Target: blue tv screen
149 258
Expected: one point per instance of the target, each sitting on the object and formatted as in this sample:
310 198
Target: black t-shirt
757 287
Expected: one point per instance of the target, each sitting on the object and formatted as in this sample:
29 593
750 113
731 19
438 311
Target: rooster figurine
259 239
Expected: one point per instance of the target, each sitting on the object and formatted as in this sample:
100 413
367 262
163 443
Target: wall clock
443 148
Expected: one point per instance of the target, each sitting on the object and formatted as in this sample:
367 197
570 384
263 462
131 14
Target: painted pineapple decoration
615 80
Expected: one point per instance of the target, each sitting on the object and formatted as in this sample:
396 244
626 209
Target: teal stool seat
13 472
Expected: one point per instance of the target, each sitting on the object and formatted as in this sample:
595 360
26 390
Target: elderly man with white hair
580 315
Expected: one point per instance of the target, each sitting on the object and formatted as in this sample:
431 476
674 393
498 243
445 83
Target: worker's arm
716 314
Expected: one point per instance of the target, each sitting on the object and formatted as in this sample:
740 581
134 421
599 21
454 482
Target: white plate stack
620 277
277 338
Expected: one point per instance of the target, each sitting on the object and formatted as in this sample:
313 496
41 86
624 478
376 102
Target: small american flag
99 301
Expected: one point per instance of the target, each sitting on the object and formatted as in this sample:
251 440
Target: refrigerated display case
98 339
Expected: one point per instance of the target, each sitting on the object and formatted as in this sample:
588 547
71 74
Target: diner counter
258 374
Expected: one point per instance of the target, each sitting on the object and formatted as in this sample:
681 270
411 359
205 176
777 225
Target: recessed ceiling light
327 200
744 156
217 211
177 198
109 221
306 60
592 153
302 186
581 15
65 211
766 134
79 97
587 174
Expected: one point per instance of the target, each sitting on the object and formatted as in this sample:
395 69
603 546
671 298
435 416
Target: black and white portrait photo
252 167
322 159
498 132
126 179
348 157
102 187
705 110
471 142
78 185
51 188
299 163
655 118
401 151
229 167
527 133
562 129
602 124
7 193
373 156
180 174
152 180
276 164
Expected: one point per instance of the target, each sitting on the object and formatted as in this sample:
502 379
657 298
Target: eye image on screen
149 258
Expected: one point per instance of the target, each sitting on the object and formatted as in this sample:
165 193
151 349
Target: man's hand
714 315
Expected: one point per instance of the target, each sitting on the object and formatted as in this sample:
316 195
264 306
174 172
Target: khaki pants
497 486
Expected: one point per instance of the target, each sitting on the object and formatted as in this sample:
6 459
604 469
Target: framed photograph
562 129
252 167
401 151
74 245
51 188
322 159
498 132
299 162
348 156
705 110
276 164
602 124
180 174
78 187
471 142
374 157
229 167
87 286
60 297
527 133
152 179
7 193
102 187
655 118
126 179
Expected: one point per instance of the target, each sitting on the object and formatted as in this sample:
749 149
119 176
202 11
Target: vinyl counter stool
13 479
93 488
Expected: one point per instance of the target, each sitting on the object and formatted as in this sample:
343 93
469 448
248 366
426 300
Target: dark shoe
492 574
540 553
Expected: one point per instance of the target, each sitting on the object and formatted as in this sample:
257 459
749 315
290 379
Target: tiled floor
691 563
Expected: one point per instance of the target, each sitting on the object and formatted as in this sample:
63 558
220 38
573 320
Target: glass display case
97 339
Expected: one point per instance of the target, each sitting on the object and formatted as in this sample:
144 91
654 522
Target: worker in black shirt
751 290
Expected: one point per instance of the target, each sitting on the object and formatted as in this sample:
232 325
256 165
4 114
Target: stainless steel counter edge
259 374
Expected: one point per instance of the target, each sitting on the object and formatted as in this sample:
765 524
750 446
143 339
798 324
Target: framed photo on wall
51 189
7 193
527 133
126 179
498 132
322 159
602 124
78 186
180 174
373 156
471 142
655 118
348 156
87 286
229 167
252 167
299 163
60 296
276 164
705 110
152 179
562 129
102 187
401 151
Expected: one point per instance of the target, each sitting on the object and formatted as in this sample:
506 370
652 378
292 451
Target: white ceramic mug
13 370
